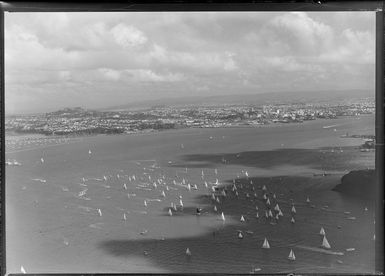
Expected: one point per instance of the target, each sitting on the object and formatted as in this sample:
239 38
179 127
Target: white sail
215 208
125 186
195 187
163 194
257 215
325 243
206 184
22 270
42 160
242 219
266 244
124 216
264 188
240 236
292 220
268 201
100 212
89 152
280 213
223 217
291 255
270 214
189 187
188 252
276 207
145 203
256 208
293 210
322 231
169 212
218 200
307 200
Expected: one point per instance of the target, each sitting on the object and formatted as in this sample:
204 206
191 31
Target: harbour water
53 223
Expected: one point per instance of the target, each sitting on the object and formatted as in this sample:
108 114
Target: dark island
359 183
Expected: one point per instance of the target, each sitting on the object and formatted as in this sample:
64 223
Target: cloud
128 36
182 53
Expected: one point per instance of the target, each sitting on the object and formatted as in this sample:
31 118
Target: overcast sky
54 60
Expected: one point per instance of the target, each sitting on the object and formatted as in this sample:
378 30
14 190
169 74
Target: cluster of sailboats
217 192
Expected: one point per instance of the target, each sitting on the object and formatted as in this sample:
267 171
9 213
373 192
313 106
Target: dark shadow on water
331 158
220 250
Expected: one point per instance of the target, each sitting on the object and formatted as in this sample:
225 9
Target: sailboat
189 187
125 186
293 210
270 214
215 208
325 243
291 255
292 220
268 201
169 212
307 200
266 244
218 200
145 203
163 194
100 212
242 219
42 160
264 188
22 270
188 252
124 216
240 235
256 208
223 216
89 152
280 213
322 231
276 208
206 184
274 196
257 215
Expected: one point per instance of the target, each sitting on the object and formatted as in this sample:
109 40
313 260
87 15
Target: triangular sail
291 255
322 231
242 219
292 220
293 210
325 243
266 244
223 217
188 252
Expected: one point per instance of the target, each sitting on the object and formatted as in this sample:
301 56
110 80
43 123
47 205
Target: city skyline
105 59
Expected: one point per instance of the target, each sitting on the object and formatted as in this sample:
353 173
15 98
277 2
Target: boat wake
320 250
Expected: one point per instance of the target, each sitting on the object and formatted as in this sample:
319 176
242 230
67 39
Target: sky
96 60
